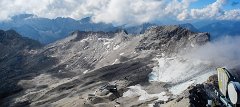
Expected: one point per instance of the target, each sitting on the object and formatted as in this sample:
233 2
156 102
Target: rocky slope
84 68
14 54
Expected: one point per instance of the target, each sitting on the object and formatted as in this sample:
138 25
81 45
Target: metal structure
228 91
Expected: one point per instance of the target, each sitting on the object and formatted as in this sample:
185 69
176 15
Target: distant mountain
222 28
189 27
139 29
49 30
200 23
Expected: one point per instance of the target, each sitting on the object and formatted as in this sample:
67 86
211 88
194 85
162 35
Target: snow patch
143 95
33 52
183 72
121 54
83 40
106 43
178 89
181 68
86 39
192 45
116 60
108 46
152 77
85 71
202 78
105 39
85 48
163 54
116 47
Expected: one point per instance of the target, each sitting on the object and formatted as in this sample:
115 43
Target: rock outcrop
171 39
14 54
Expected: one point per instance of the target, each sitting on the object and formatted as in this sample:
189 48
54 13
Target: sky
230 4
119 12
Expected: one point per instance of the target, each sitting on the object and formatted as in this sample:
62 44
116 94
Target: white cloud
210 11
116 11
231 14
223 52
129 11
11 7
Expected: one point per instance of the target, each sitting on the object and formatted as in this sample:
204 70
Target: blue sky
201 3
231 4
227 6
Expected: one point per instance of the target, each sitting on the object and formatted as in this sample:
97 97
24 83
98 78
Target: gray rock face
68 72
13 56
171 39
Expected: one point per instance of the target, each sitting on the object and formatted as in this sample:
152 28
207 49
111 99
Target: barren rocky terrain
104 69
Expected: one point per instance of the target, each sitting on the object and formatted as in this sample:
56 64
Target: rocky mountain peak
121 31
22 16
85 20
9 34
165 28
13 39
171 39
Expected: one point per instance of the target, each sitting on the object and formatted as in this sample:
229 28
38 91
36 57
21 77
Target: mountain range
79 69
222 28
47 30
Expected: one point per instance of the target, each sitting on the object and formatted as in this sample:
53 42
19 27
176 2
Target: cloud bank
224 52
117 11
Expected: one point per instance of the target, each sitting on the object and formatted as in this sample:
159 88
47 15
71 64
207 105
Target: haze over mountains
222 28
49 30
